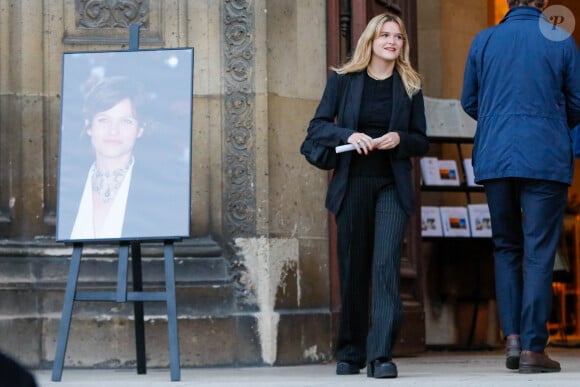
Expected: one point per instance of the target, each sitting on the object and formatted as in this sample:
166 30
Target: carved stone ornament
112 13
240 194
240 167
107 22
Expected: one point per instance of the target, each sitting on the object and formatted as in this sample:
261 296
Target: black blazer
336 119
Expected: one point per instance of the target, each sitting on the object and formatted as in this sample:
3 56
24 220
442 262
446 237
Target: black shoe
512 352
382 368
347 368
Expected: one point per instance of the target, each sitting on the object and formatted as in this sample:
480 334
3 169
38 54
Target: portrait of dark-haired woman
123 194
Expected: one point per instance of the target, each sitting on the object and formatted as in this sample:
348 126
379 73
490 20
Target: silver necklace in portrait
107 183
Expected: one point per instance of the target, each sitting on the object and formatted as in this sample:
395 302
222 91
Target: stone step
198 300
109 341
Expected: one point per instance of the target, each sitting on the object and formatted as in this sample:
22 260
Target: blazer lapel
398 94
355 96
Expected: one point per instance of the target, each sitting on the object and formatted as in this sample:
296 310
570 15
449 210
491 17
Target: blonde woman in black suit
374 102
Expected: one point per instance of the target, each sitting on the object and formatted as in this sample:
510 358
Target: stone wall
252 281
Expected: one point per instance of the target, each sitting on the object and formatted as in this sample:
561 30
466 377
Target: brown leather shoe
536 362
513 350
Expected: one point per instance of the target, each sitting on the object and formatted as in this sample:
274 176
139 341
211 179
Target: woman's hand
388 141
362 142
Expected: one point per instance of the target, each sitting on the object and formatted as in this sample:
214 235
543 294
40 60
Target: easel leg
122 272
67 309
138 309
171 311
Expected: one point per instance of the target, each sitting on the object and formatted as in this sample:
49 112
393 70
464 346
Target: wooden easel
137 296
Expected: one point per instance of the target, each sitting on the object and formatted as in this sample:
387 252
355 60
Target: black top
374 118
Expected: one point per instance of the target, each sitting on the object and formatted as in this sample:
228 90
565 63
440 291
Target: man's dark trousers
526 220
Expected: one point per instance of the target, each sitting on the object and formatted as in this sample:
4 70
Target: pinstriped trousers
371 229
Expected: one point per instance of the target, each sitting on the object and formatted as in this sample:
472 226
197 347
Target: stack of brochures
439 172
445 172
456 221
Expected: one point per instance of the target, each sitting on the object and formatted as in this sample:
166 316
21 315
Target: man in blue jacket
522 85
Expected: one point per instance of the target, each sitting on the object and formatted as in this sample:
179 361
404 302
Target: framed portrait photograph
125 145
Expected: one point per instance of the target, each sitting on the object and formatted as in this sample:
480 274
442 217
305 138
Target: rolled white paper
349 147
344 148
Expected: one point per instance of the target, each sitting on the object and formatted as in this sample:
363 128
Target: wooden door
346 21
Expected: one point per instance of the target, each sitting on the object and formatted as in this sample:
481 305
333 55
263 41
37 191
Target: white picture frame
148 198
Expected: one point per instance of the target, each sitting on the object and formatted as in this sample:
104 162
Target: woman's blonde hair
364 48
